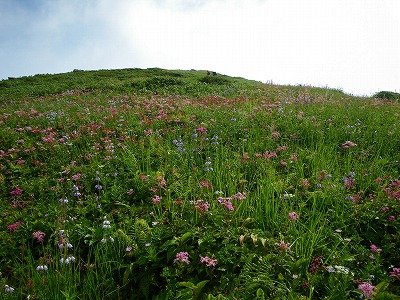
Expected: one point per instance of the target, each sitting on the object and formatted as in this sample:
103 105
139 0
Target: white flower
287 196
106 224
41 268
103 240
8 289
339 269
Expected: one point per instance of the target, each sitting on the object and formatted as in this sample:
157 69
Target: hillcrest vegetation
172 184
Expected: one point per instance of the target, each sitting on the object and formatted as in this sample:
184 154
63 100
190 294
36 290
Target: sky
352 45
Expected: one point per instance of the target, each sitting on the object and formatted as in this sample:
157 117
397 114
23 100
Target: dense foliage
161 184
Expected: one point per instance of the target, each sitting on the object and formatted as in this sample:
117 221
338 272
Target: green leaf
185 237
187 284
382 286
260 295
201 285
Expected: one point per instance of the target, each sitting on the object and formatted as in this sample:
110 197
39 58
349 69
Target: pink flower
395 273
276 134
348 144
385 209
201 130
293 216
206 184
392 218
182 257
239 196
16 192
39 236
367 289
226 202
14 226
76 177
209 262
283 246
200 205
178 201
375 249
157 199
144 177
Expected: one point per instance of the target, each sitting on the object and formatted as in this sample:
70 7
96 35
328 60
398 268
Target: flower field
160 184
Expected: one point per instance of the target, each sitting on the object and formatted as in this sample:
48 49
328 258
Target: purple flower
200 205
182 257
16 192
226 202
39 236
375 249
14 226
293 216
157 199
367 289
395 273
209 262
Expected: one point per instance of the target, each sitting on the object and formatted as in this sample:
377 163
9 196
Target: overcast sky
353 45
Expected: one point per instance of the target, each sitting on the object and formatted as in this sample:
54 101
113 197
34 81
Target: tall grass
109 178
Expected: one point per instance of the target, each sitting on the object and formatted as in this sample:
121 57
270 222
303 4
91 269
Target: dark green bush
387 95
214 80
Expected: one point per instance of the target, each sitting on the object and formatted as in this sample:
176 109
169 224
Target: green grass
158 162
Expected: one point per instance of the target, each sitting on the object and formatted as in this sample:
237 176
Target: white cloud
347 44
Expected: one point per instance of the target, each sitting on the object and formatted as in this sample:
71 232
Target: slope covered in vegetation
171 184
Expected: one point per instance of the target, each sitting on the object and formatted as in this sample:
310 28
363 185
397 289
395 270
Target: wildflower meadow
170 184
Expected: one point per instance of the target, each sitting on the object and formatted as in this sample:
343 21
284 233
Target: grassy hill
149 81
172 184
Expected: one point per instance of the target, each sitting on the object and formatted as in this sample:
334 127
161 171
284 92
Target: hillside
153 81
170 184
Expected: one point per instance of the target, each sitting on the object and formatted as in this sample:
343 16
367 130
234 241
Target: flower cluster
283 246
104 240
41 268
395 273
227 201
67 260
200 205
8 289
157 199
375 249
208 167
76 191
293 216
62 241
106 223
16 192
348 144
182 257
338 269
63 201
367 289
39 236
209 262
14 226
179 144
